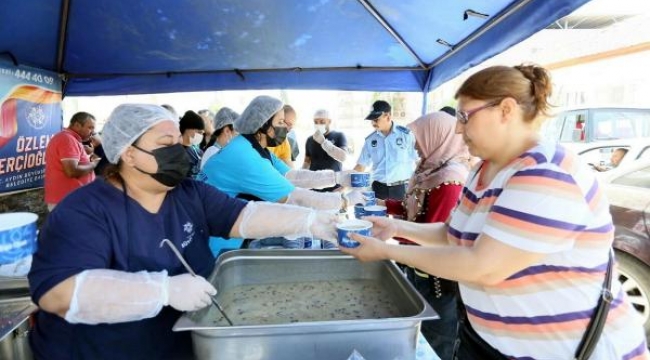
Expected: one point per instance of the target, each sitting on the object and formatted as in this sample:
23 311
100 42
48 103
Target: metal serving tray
376 339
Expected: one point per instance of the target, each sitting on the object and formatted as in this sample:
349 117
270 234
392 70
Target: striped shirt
545 202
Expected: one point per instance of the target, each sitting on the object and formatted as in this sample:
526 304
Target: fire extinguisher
580 127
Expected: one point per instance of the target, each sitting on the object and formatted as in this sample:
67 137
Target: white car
598 123
599 153
628 191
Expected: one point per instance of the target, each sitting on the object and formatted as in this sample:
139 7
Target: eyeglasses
463 116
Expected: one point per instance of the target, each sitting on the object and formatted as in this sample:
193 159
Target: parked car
593 124
628 190
600 152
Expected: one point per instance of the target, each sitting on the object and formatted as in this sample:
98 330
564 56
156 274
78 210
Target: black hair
191 120
265 127
216 134
81 118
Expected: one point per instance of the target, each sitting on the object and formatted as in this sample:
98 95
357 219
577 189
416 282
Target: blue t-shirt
239 169
98 227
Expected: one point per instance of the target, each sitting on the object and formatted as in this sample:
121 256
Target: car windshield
620 124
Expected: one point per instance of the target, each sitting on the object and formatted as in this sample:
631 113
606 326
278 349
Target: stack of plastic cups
307 242
361 181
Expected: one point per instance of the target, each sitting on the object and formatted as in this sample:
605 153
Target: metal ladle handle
189 269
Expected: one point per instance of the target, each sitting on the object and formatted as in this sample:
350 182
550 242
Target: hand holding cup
383 228
369 248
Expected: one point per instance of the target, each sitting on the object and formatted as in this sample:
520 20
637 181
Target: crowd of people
507 236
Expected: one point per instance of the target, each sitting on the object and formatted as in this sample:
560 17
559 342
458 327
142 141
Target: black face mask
280 136
173 164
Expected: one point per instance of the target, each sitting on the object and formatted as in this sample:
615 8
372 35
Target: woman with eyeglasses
530 240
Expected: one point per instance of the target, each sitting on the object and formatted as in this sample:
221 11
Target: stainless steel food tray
376 339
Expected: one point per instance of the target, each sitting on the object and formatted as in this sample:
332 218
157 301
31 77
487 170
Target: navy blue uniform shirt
97 227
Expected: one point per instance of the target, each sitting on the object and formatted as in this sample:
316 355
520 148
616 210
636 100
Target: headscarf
445 158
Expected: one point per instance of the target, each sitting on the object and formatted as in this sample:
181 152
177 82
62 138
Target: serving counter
340 336
286 329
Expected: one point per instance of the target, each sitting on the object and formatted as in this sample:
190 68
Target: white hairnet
261 109
126 123
225 116
322 114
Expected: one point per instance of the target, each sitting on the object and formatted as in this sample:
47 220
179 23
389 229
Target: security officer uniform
393 160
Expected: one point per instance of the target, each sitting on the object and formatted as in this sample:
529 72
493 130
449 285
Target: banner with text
30 114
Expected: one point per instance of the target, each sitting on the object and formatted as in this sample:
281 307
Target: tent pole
425 102
425 91
384 23
63 30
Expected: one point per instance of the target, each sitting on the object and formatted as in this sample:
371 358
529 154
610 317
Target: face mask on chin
173 164
196 139
280 136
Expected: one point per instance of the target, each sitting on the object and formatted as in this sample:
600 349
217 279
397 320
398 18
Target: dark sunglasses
463 116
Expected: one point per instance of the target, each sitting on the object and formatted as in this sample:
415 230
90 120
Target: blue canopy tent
103 47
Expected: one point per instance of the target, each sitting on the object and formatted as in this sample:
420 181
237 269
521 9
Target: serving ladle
189 269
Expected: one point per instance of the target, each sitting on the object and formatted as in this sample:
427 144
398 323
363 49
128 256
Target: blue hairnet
126 123
225 116
261 109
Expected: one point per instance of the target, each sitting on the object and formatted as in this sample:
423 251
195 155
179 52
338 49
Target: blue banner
30 114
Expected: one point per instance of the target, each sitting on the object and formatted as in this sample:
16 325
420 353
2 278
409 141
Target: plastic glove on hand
355 197
189 293
343 177
324 226
318 137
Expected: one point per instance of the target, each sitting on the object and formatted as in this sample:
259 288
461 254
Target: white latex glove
112 296
318 137
307 179
264 219
343 177
189 293
354 197
324 226
315 200
334 151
